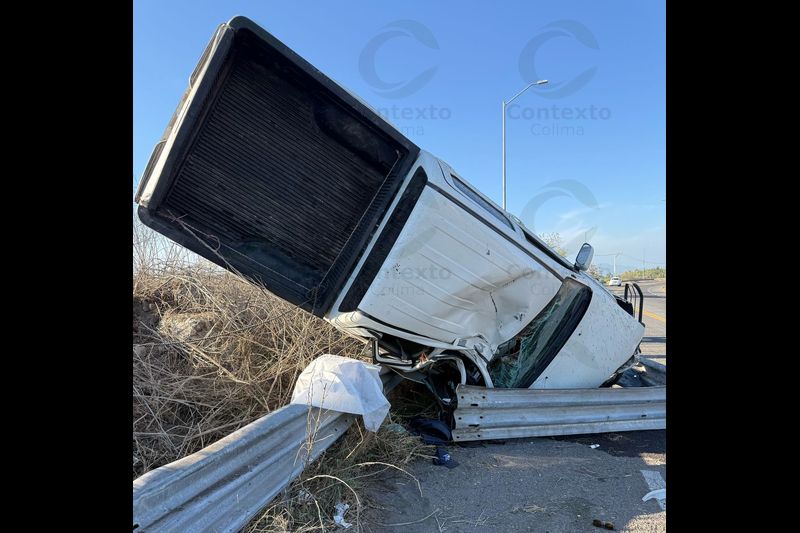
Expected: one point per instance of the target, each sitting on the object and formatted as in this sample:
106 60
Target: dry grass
344 473
212 353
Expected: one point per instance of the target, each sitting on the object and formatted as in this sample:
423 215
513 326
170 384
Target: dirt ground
537 484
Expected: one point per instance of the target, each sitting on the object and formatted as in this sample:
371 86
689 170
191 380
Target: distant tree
650 273
554 241
594 271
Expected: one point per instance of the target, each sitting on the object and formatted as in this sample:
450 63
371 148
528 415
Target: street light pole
615 259
540 82
504 154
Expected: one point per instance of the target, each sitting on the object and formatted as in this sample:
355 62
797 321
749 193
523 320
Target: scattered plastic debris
396 428
341 508
658 494
305 497
657 486
431 430
594 446
600 523
533 508
345 385
443 458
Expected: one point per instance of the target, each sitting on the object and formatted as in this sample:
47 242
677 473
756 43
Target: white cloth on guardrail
345 385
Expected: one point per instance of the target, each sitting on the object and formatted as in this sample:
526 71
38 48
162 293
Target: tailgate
270 169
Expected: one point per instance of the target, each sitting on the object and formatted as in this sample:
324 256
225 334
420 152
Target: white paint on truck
596 347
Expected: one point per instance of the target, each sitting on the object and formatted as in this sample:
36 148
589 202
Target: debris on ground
600 523
444 459
343 384
529 509
594 446
396 428
658 494
341 508
305 497
431 430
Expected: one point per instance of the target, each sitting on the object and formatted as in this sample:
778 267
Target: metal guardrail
485 414
224 485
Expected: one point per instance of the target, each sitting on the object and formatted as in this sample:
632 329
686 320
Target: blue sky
585 154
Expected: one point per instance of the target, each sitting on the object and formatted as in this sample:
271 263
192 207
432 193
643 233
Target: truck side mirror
584 258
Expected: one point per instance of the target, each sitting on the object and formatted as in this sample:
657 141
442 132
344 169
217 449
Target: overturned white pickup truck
272 170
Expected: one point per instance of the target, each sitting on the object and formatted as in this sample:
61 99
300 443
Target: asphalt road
538 484
554 484
654 316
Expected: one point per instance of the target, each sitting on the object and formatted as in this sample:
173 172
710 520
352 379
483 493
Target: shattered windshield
540 341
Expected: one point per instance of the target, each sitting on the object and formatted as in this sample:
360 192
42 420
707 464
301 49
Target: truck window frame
476 198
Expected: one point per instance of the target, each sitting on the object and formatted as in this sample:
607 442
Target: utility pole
615 259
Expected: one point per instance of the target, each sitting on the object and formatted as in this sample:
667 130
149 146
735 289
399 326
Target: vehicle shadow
624 444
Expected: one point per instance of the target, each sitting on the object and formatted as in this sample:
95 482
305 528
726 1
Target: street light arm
539 82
